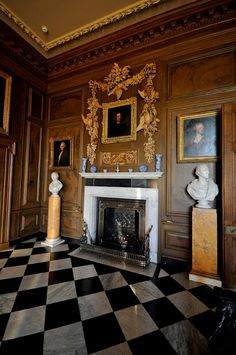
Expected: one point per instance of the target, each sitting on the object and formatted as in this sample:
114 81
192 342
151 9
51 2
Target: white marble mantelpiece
149 195
123 175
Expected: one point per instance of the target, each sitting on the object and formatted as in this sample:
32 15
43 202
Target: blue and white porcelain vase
84 163
158 162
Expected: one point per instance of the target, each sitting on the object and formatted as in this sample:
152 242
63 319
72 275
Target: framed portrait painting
197 137
119 121
61 153
5 98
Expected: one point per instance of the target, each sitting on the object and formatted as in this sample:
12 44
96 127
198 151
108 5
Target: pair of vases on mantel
143 167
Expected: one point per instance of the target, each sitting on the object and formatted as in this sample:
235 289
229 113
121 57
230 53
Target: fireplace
147 211
120 224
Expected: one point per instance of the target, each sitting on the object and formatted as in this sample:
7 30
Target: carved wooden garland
117 81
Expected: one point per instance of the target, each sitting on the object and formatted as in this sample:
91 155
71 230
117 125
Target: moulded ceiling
70 23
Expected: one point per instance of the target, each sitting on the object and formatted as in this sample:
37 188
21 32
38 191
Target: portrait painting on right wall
197 137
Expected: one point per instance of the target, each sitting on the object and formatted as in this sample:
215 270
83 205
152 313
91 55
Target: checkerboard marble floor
53 302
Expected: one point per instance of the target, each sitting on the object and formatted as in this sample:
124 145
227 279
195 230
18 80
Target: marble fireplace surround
149 195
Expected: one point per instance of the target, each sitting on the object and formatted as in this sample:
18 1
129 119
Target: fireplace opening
121 224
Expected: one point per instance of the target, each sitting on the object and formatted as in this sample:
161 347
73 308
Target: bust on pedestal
54 209
204 229
203 189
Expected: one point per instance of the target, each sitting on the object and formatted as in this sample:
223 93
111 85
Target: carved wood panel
32 165
207 73
6 164
229 193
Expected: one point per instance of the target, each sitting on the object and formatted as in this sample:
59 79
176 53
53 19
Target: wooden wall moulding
115 83
5 99
35 104
67 105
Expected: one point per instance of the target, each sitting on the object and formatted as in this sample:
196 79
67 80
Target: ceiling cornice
158 30
80 32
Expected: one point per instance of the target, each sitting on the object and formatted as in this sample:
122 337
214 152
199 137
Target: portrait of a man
198 136
62 153
119 122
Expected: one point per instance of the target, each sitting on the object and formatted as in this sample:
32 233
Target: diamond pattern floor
53 302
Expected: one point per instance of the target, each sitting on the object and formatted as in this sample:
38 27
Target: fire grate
137 259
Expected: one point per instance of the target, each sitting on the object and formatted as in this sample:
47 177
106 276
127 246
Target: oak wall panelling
229 194
65 123
30 201
7 151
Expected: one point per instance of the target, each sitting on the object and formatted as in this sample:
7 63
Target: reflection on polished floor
56 301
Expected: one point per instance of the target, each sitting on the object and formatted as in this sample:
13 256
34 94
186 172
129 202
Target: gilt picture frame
5 99
119 121
197 137
61 153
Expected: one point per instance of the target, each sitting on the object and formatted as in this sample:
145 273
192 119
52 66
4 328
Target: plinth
204 247
53 230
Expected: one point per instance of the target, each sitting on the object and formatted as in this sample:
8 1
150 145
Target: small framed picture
5 98
119 121
197 137
61 153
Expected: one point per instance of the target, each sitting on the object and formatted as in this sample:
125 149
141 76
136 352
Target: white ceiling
72 22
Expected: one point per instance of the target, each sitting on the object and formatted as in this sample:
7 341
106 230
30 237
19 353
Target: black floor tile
104 269
206 295
102 332
151 344
5 254
40 250
87 286
62 313
59 255
30 298
37 268
168 285
79 261
60 276
10 285
163 312
174 266
132 277
27 345
16 261
122 297
25 245
3 323
205 322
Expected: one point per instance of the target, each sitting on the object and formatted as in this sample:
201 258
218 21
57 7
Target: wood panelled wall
64 123
194 49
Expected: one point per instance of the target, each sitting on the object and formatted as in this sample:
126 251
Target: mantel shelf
123 175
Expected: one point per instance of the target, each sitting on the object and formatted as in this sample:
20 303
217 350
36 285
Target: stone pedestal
204 247
53 230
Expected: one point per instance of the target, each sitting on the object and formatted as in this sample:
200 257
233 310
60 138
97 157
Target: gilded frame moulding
5 99
197 137
119 121
117 81
54 144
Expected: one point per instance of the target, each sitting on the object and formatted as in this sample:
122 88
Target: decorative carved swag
117 81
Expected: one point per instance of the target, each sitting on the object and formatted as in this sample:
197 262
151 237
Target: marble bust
55 186
203 189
